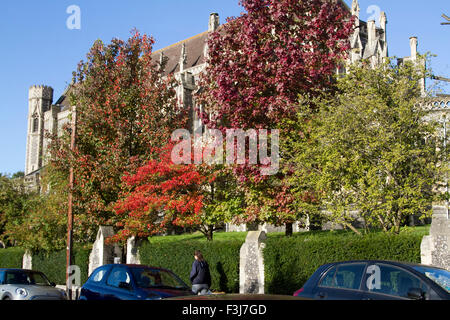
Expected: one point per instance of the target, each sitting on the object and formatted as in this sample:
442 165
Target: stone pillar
435 248
103 253
133 251
27 261
251 273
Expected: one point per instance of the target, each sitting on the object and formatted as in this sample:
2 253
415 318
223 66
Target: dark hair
199 255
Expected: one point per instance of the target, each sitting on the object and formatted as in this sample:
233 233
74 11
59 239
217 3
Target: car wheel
6 298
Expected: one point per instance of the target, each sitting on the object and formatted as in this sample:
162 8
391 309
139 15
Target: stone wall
435 248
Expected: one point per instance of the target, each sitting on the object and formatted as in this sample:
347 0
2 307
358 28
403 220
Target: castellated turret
40 100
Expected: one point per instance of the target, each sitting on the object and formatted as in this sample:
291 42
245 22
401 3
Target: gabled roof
195 53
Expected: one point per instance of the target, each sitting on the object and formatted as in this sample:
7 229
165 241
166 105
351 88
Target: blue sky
38 48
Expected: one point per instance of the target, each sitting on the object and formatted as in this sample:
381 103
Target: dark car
377 280
132 282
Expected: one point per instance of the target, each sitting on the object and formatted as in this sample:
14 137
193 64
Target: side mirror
124 285
53 284
416 294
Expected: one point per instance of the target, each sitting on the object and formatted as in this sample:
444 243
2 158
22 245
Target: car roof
393 262
18 269
135 266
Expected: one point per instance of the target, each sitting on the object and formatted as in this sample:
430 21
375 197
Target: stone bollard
251 269
133 251
103 253
27 262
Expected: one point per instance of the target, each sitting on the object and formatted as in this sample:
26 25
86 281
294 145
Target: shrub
53 264
289 262
11 257
177 254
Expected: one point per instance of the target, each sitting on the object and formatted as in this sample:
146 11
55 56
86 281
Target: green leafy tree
370 148
14 202
43 218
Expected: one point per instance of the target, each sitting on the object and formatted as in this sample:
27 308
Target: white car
21 284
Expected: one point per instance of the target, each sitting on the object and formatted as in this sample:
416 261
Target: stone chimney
413 44
355 8
383 23
214 22
183 57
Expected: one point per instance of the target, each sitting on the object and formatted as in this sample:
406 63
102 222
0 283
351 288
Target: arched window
35 126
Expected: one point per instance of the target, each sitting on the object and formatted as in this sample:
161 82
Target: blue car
132 282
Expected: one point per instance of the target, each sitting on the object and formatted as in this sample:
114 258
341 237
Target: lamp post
70 205
444 117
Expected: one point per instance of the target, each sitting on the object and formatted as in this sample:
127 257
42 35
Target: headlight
22 292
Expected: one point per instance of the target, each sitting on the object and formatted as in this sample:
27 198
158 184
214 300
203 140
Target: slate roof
195 49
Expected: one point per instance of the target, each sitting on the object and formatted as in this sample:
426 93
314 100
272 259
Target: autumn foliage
125 111
159 194
259 63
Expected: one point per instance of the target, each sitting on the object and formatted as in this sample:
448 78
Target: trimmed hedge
222 256
289 262
11 257
53 264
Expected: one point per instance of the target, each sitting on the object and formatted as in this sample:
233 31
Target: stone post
27 261
103 253
251 269
133 251
435 248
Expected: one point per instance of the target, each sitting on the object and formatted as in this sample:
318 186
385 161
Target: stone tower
40 99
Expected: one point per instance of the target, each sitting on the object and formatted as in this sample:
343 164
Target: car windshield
440 276
157 278
26 278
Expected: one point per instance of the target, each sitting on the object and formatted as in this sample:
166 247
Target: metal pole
70 211
445 160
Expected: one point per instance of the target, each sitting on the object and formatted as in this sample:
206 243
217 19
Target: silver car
21 284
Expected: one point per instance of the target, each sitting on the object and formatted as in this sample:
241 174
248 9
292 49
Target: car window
439 276
37 278
16 277
98 274
117 276
328 279
394 281
347 276
2 277
148 277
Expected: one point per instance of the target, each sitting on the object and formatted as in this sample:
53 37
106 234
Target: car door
389 282
119 285
93 288
341 282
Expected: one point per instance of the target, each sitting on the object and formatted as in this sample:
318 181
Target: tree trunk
210 233
289 229
349 225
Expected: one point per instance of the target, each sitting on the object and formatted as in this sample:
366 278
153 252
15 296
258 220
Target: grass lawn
198 236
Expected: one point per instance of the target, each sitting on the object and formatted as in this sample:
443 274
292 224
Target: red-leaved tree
125 110
258 65
162 194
